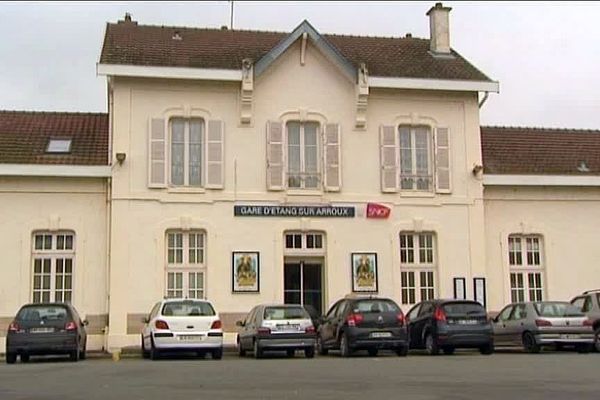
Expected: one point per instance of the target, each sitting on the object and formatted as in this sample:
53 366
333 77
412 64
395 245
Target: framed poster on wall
245 271
364 272
479 291
460 288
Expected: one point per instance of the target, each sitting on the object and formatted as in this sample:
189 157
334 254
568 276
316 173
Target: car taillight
216 325
309 329
439 315
400 318
542 322
14 327
354 319
588 322
161 324
70 326
263 331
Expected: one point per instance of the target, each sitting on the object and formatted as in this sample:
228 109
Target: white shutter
388 144
442 161
333 170
157 151
215 154
275 156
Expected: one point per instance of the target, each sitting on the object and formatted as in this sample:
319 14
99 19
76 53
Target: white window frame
187 266
526 266
186 152
413 149
303 174
303 242
55 256
422 265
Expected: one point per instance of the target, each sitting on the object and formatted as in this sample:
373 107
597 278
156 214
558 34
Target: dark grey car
46 328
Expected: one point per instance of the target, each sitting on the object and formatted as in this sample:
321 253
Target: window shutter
157 151
214 154
442 160
275 155
388 143
333 178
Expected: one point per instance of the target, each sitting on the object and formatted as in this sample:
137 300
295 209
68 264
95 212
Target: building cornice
540 180
73 171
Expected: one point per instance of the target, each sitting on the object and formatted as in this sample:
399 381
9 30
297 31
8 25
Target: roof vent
408 35
127 19
176 36
582 167
224 27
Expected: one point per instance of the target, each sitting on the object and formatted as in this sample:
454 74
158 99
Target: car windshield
554 309
45 313
375 306
463 308
187 308
274 313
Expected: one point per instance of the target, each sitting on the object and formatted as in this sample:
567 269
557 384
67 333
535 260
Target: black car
449 324
363 324
46 328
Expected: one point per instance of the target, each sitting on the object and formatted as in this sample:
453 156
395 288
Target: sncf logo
375 210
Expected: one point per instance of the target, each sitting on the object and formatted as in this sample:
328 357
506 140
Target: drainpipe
485 97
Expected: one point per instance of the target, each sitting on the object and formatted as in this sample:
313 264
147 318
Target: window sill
185 189
303 192
406 193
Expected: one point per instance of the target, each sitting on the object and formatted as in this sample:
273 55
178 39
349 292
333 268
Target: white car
182 325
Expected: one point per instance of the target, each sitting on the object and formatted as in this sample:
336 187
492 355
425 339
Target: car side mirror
494 320
240 323
86 322
145 320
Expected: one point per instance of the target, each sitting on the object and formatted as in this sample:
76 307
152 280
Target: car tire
25 358
145 353
309 352
290 353
258 351
448 350
584 348
373 352
241 351
323 351
529 343
487 349
431 345
11 358
402 351
217 354
345 350
154 352
597 340
73 355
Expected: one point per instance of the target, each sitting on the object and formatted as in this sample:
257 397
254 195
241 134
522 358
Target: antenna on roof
231 16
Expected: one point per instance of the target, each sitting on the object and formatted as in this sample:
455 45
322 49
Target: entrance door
303 284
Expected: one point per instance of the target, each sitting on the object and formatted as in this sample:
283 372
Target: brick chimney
439 27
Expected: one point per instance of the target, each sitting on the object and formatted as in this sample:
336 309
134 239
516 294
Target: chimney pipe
439 27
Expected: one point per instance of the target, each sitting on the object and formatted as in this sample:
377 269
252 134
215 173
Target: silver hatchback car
277 327
536 324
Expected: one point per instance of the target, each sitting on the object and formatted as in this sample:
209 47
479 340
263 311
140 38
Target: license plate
468 321
288 328
41 330
569 337
190 338
380 334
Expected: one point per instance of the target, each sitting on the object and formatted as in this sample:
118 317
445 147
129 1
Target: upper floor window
417 266
53 257
185 267
415 158
187 152
303 155
526 266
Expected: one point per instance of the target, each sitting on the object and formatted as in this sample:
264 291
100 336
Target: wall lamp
121 157
477 168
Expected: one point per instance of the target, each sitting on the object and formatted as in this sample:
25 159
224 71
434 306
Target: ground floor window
526 264
417 283
185 267
53 257
526 286
417 266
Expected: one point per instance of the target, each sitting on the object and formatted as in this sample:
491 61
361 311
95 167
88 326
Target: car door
515 326
412 315
424 321
339 319
499 325
326 328
147 328
247 332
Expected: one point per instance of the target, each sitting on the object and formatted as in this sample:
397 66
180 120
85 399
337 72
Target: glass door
303 284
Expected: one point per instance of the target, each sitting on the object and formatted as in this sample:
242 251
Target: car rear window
463 308
274 313
45 313
556 309
188 309
375 306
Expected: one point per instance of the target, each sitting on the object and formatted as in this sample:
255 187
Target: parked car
536 324
187 325
44 329
276 327
370 324
589 304
446 325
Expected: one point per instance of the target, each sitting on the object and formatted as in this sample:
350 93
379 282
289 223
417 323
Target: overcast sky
545 55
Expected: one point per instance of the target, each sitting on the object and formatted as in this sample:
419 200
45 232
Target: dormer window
59 146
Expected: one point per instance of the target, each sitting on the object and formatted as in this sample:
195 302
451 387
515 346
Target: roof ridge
53 112
540 128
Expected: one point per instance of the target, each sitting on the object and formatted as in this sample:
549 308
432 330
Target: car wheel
448 350
145 352
74 355
217 354
373 352
82 351
290 352
345 350
431 345
402 351
597 340
309 352
487 349
321 348
24 358
11 358
241 351
258 351
529 343
584 348
154 352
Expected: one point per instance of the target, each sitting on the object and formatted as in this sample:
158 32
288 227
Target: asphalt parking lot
465 375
